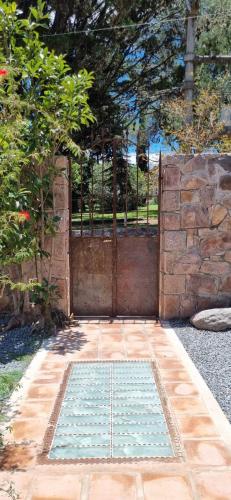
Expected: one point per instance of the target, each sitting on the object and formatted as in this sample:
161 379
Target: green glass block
70 453
133 400
133 427
88 384
136 374
135 385
111 408
140 439
80 410
130 393
88 393
142 451
117 383
142 409
82 419
151 418
82 440
91 401
126 380
73 404
84 429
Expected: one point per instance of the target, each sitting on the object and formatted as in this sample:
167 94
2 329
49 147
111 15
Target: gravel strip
16 343
211 353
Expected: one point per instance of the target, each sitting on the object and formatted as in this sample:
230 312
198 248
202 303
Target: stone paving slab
204 471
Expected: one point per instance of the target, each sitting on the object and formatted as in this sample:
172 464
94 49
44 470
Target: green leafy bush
41 105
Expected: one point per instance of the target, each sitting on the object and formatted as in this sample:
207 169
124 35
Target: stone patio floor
204 473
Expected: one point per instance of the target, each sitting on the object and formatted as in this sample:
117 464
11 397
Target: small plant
45 295
206 129
9 382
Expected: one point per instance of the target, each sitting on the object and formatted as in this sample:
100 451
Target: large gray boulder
215 320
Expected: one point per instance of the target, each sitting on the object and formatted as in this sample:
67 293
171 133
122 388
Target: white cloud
153 159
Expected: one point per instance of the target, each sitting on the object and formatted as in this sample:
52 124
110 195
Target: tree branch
218 59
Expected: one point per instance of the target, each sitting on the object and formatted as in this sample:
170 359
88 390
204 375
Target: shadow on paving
16 457
66 341
21 341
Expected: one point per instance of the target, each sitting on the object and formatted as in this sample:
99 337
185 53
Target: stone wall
195 239
195 235
58 246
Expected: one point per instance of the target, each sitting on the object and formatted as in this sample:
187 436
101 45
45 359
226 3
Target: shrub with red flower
3 72
23 216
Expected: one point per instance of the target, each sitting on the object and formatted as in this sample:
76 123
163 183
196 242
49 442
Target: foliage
98 191
75 175
42 106
214 30
45 293
123 170
132 66
225 144
8 382
214 38
213 85
206 129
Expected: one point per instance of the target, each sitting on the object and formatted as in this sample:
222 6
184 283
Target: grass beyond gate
142 216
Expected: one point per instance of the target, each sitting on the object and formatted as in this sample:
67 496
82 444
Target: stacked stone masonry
57 246
60 244
195 240
195 235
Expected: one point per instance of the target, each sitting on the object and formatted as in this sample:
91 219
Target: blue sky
156 147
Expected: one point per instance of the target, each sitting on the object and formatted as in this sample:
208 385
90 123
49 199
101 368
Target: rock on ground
215 320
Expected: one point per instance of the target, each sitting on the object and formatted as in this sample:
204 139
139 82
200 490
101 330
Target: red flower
3 72
23 215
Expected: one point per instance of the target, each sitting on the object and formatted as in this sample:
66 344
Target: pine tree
132 66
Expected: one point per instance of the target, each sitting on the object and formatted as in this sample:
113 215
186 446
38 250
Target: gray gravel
16 343
211 353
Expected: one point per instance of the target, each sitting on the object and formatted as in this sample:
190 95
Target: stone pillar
60 271
56 267
195 240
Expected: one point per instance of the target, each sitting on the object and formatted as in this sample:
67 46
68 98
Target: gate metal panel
91 274
97 291
137 275
114 266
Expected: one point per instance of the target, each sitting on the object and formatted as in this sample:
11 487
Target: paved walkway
203 473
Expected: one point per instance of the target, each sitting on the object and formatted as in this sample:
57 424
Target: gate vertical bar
148 184
126 186
159 191
102 190
114 231
137 197
92 199
70 293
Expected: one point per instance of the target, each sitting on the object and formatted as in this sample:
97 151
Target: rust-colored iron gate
115 236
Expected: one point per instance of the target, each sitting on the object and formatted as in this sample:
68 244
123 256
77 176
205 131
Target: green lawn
99 218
